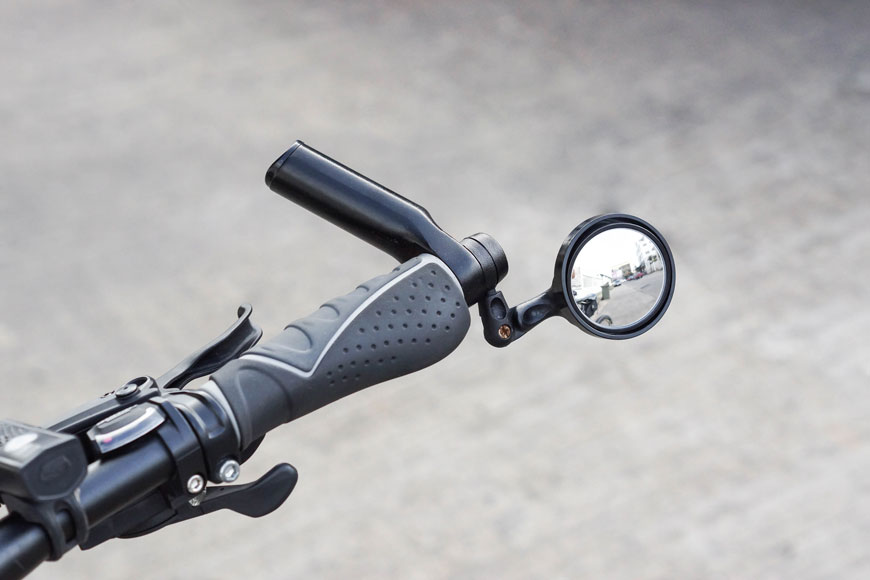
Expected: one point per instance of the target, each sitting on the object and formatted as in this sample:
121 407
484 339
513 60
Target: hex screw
229 471
195 484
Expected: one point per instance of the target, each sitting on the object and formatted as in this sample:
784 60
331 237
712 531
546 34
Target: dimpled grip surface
389 326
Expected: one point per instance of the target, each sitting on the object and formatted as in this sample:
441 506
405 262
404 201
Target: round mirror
616 275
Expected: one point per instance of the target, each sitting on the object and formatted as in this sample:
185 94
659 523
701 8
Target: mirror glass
617 277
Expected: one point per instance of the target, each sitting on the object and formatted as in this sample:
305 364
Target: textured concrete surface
732 441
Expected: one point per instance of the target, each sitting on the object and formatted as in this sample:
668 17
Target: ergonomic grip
389 326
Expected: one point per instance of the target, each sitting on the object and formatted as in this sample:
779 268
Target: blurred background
731 441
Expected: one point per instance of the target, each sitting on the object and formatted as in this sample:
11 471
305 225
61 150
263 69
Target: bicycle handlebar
389 326
355 203
383 218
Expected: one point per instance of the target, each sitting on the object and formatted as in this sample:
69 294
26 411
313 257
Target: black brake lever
242 335
238 338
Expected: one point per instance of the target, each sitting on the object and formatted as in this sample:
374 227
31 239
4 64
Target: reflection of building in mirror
621 271
647 256
605 260
612 257
585 285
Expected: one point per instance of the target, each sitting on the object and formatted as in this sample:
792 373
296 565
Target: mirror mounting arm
503 325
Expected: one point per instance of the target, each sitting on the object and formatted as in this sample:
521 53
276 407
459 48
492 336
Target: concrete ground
731 441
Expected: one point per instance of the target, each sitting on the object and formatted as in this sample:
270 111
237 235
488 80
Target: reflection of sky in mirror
605 254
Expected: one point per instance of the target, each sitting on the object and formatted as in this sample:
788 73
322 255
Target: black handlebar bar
110 486
383 218
371 212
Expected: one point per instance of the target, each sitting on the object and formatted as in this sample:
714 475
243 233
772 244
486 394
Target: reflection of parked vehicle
588 304
617 282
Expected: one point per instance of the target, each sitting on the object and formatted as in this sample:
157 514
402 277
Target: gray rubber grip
389 326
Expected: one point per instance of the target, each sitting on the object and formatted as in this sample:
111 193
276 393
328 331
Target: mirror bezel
579 236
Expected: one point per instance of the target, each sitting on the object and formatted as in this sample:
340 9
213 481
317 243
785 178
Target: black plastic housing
45 465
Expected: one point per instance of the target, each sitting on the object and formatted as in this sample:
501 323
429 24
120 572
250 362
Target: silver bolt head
195 484
229 471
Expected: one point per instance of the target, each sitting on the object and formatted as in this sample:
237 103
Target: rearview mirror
614 278
616 275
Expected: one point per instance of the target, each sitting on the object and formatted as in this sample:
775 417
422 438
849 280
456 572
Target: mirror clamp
503 325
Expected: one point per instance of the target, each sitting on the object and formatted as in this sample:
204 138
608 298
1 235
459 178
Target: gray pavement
632 300
133 221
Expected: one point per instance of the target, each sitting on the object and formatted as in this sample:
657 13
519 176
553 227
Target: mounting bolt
127 390
229 471
504 331
195 484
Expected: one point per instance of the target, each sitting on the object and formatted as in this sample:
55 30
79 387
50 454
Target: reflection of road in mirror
632 300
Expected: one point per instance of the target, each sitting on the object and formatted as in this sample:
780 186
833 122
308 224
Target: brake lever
242 335
238 338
